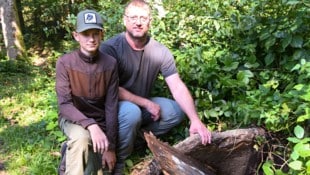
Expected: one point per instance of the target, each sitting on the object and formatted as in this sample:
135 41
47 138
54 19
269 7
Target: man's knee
129 115
180 114
170 110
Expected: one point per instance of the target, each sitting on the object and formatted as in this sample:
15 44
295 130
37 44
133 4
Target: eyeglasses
134 19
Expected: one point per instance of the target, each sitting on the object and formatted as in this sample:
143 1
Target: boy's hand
99 139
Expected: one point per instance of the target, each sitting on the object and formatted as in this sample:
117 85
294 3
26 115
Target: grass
27 98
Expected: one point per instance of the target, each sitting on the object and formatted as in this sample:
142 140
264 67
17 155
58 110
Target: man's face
89 40
137 21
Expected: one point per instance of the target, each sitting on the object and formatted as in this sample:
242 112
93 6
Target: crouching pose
87 93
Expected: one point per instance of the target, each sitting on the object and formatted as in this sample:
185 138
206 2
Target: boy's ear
75 36
102 34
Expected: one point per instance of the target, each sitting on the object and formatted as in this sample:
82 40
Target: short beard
140 38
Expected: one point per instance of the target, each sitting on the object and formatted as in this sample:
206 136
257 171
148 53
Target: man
140 59
87 92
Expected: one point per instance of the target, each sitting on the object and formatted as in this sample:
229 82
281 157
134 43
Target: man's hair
138 3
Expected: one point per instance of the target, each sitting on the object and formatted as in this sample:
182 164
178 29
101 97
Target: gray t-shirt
138 70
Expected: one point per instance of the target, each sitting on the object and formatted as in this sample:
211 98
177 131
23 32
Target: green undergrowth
27 99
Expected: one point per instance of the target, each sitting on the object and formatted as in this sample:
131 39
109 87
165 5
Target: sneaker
119 168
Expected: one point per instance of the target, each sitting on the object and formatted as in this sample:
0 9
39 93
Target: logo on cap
90 18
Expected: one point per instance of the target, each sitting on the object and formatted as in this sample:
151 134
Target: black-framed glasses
134 19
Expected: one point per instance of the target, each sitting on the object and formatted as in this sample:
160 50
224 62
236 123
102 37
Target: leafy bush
246 62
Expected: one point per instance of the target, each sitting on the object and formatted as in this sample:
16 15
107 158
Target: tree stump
173 161
230 153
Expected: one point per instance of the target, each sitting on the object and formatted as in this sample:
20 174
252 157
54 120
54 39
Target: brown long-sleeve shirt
87 91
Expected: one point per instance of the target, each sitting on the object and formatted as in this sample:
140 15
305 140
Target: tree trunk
13 38
172 161
1 37
20 15
230 153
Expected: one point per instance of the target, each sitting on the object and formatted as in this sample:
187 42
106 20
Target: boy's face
89 40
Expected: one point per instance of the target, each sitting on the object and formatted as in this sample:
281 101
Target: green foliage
26 107
246 63
48 22
12 67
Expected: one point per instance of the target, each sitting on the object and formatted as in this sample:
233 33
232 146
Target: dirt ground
2 169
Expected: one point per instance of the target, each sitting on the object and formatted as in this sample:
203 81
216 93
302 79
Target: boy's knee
81 143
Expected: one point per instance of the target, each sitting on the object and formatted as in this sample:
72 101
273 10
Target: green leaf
264 35
267 168
294 155
279 172
217 25
297 42
249 65
308 166
298 54
299 131
270 42
269 58
231 66
293 139
302 149
51 126
296 67
305 117
286 41
293 2
295 165
244 76
213 113
129 163
299 87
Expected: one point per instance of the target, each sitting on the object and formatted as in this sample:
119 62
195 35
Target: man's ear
124 20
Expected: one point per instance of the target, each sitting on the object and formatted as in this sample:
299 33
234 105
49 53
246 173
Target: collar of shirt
88 59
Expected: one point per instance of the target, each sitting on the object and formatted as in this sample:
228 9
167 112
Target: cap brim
88 28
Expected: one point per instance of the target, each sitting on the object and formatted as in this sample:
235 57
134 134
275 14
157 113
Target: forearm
128 96
69 112
186 102
183 97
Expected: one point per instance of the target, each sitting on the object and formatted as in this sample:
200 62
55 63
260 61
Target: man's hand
99 139
198 127
154 109
109 158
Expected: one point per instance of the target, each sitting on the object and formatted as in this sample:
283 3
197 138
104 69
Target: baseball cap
88 19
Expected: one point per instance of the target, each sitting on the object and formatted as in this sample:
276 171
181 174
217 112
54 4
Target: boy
87 93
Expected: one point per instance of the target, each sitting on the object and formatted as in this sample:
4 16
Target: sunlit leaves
296 165
299 132
244 76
